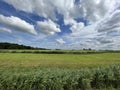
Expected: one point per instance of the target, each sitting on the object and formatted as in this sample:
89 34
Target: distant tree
84 49
5 45
90 49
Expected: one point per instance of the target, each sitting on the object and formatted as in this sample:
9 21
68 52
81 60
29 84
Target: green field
36 71
58 60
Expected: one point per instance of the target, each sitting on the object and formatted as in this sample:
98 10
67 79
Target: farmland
33 70
58 60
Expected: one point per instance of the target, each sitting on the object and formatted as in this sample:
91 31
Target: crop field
23 70
58 60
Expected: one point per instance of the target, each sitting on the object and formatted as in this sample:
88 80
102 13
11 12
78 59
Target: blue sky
64 24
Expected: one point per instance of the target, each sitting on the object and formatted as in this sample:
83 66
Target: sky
61 24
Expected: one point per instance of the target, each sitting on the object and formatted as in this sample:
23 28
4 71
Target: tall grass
60 78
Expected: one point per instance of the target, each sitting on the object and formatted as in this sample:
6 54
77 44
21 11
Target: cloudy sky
64 24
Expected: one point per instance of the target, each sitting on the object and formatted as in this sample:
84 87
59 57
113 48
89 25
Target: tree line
6 45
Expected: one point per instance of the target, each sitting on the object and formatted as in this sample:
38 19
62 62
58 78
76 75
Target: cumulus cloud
48 27
77 26
60 41
104 34
94 10
98 13
86 32
109 42
21 4
91 10
102 16
109 31
43 8
111 24
3 29
105 40
17 23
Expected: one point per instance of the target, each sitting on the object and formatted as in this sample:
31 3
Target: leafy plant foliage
60 78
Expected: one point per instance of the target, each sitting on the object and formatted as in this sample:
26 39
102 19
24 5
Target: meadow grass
58 60
37 78
31 71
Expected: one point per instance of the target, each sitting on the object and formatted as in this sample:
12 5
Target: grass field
58 60
31 71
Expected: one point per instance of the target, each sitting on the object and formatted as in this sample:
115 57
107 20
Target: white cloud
104 34
91 10
3 29
110 24
81 44
109 42
60 41
69 21
94 10
105 39
102 18
86 32
43 8
24 5
77 26
48 27
17 23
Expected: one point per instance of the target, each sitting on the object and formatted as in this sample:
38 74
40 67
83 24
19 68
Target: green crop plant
60 79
